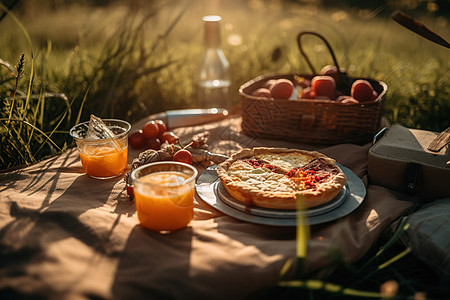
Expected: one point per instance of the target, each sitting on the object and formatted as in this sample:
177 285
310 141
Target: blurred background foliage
129 59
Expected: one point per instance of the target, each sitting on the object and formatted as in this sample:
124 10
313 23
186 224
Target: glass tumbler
103 158
164 195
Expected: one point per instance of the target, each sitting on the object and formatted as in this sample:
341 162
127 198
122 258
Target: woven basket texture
308 121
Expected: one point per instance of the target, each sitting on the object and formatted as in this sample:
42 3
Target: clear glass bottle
214 74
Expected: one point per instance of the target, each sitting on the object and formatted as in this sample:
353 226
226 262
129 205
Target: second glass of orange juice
164 195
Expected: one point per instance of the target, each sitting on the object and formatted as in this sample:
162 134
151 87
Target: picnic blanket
65 235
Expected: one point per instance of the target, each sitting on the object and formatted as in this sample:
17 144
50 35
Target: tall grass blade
80 111
37 129
336 289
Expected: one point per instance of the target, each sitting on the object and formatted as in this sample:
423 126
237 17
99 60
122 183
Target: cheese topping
261 178
285 161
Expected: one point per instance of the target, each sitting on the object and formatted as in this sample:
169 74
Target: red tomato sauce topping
316 171
256 163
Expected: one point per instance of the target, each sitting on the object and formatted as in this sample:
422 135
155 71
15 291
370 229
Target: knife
190 117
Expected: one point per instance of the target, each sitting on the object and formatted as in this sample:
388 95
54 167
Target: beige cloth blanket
64 235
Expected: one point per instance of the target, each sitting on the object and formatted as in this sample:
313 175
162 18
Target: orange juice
103 151
103 161
164 201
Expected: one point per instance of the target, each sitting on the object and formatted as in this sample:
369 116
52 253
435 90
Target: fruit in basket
323 86
262 92
328 69
362 91
307 93
282 89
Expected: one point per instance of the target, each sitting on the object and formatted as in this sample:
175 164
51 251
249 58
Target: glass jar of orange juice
103 158
164 195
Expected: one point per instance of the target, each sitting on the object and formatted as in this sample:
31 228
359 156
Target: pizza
276 177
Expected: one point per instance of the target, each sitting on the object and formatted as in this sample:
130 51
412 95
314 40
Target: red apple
323 85
328 69
362 90
282 89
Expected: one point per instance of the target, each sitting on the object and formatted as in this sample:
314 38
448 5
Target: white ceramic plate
211 190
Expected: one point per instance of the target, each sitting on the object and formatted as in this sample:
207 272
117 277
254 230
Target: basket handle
341 77
299 42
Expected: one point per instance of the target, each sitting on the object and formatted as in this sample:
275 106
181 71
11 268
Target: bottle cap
212 30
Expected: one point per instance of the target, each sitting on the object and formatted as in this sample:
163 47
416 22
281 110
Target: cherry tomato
282 89
362 90
130 191
137 140
169 137
153 143
262 92
184 156
323 85
162 126
151 129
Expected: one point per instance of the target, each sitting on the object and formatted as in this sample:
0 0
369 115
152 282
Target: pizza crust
267 188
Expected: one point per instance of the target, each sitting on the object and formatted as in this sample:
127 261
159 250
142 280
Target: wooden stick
419 28
440 141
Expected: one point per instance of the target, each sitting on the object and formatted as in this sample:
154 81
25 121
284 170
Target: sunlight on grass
128 60
141 58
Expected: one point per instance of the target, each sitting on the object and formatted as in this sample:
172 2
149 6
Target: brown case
400 160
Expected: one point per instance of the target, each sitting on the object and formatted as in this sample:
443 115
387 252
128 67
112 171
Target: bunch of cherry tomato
155 133
320 87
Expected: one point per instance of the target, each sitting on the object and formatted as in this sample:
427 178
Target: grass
129 61
387 271
100 79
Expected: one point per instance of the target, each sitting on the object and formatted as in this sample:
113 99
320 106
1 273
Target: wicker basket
308 121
